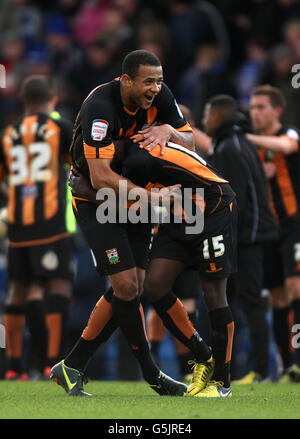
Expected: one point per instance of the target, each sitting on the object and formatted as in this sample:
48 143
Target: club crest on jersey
113 256
99 129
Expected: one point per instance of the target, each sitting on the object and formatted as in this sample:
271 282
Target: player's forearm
280 144
185 139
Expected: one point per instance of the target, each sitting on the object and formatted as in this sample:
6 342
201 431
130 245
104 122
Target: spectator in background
278 73
63 54
97 66
89 21
247 74
209 75
154 35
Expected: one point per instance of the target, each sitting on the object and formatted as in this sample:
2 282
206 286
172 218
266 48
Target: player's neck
271 129
30 110
126 101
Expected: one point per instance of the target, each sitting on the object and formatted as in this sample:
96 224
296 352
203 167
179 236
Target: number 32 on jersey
30 163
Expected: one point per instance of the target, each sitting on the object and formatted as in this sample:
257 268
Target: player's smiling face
144 87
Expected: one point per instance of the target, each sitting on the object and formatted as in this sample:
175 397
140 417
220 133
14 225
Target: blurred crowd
206 47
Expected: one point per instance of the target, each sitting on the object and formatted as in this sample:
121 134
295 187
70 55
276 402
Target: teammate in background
203 142
33 153
279 151
140 104
237 159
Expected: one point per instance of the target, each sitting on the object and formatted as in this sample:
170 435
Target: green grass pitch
135 400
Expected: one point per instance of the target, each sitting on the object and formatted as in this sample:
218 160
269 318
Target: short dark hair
37 89
276 97
133 60
223 102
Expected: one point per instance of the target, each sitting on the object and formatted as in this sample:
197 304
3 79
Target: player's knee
17 294
153 289
214 295
126 289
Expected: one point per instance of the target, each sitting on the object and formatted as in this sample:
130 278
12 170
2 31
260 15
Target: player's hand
154 135
79 184
270 169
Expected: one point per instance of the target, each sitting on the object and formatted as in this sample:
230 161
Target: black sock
36 323
83 350
181 327
282 334
296 308
222 334
128 316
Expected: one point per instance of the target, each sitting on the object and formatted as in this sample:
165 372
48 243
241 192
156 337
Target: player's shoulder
290 131
102 95
61 122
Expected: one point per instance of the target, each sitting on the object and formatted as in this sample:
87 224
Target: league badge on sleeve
99 129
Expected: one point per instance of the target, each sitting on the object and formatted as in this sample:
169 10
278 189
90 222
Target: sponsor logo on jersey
99 129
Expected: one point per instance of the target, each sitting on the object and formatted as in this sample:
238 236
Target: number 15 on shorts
217 245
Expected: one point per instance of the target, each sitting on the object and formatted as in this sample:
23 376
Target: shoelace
200 372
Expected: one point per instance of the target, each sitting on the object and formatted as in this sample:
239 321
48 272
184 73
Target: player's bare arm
102 176
282 144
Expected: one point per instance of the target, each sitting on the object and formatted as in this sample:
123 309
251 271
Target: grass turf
135 400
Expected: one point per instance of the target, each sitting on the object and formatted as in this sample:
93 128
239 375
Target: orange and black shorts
39 263
115 247
212 253
282 257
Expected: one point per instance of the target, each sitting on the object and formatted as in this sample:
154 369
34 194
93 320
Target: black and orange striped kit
284 187
32 157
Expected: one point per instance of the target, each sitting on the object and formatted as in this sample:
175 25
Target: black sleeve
228 163
97 121
169 112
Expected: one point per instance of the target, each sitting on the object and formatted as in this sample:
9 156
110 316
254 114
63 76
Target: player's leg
222 326
249 285
293 286
14 322
51 265
156 332
160 277
36 323
113 257
187 288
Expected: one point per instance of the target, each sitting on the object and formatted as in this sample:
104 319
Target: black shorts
282 257
212 252
39 263
115 247
187 285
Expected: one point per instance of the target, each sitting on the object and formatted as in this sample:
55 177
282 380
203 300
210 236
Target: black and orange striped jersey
33 151
103 119
284 187
178 165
